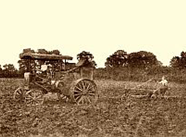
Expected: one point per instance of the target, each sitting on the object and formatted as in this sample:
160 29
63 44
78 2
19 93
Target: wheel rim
18 94
85 92
34 97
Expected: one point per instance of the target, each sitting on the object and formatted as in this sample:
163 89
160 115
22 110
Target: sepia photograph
92 68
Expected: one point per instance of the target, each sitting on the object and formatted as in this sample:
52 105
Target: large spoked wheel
84 92
19 94
34 97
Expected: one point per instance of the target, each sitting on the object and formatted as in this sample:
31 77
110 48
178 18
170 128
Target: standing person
50 72
163 81
45 74
163 87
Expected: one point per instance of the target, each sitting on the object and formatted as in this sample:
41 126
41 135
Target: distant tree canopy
118 59
9 67
141 59
179 61
8 70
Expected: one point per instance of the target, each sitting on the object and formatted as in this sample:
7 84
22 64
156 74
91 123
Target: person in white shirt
163 87
163 81
44 67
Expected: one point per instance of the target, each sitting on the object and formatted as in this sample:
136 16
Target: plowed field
113 115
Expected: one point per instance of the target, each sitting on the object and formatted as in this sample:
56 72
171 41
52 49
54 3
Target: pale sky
98 26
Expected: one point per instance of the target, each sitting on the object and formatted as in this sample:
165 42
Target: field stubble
113 115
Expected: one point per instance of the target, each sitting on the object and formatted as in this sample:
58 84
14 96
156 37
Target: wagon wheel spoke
29 100
88 99
39 97
84 84
88 86
83 100
81 85
92 91
91 87
34 102
29 96
77 95
19 91
77 98
79 92
91 94
39 100
79 88
80 100
63 97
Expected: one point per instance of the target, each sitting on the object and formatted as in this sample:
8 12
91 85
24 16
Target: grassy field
115 113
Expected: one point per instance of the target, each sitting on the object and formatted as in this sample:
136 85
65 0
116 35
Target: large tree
118 59
142 59
175 62
9 70
179 61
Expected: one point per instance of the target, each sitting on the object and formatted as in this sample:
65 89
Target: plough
151 93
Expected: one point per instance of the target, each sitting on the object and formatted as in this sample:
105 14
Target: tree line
141 59
119 59
9 71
